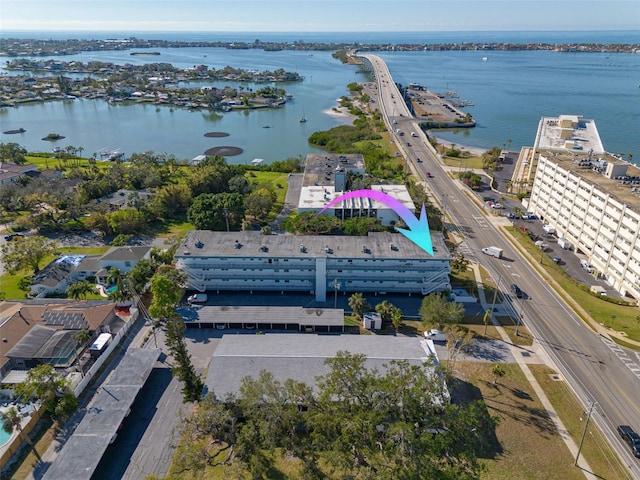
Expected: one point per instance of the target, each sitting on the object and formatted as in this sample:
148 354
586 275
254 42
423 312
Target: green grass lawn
528 445
9 282
463 163
596 450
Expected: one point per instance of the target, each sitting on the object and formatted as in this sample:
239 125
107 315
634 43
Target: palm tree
82 337
358 304
396 318
12 420
498 371
116 277
79 290
385 309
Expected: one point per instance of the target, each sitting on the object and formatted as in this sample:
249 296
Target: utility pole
495 295
520 318
336 286
584 433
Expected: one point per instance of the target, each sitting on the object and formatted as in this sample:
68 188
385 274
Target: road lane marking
623 356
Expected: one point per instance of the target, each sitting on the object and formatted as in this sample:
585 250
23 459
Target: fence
105 355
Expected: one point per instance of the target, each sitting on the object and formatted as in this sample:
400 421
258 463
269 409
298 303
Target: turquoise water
4 437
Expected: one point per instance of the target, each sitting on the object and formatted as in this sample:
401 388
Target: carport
99 427
296 319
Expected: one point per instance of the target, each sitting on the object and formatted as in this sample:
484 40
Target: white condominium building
246 261
593 202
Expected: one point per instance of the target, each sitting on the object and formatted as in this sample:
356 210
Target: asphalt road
594 369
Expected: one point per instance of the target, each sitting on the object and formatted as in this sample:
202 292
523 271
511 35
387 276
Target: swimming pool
4 437
112 289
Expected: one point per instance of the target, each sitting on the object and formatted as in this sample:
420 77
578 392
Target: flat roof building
331 169
314 199
593 201
246 261
302 357
565 134
264 318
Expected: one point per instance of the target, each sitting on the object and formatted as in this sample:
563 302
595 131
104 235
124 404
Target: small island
153 83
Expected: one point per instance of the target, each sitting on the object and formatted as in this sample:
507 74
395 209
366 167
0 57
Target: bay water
510 91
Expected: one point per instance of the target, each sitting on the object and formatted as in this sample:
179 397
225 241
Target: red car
429 175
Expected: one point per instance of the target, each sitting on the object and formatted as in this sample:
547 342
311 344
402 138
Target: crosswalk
623 355
464 249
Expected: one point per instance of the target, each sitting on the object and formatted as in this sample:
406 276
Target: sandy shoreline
339 112
475 151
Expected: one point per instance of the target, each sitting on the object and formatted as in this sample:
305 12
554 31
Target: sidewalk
564 434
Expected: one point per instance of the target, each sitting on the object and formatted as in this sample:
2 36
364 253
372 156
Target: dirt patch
216 134
224 151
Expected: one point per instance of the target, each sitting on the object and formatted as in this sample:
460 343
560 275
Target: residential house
34 332
12 172
56 277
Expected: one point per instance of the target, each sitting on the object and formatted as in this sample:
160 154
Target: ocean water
510 91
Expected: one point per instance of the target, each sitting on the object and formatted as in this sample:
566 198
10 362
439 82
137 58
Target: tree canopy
437 310
217 211
27 252
357 423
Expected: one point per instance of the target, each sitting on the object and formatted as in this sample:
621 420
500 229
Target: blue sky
318 15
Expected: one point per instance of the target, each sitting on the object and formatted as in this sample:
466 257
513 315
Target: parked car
11 236
557 260
418 160
197 298
435 335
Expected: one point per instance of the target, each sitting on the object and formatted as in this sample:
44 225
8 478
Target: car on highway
516 290
429 175
418 160
629 435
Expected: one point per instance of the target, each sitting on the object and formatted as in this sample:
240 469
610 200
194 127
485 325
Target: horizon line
3 30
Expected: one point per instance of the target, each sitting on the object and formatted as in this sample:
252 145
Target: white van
198 298
586 265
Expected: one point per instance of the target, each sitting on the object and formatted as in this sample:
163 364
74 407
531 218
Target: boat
484 59
266 126
303 119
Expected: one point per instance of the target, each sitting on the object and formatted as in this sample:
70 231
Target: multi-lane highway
594 367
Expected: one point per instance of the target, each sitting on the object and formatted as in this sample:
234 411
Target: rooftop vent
264 248
303 249
237 244
365 249
199 244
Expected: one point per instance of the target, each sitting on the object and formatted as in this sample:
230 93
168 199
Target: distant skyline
318 15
